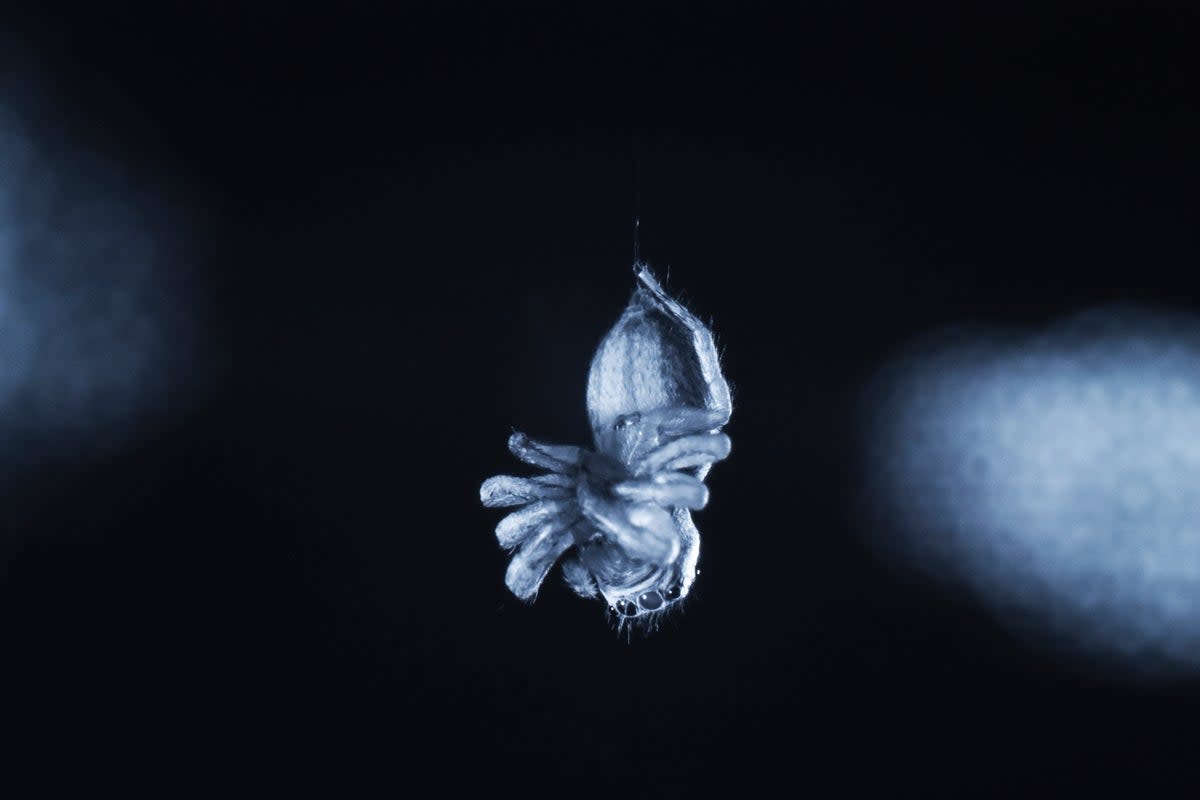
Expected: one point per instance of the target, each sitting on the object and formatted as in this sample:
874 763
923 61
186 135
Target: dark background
419 228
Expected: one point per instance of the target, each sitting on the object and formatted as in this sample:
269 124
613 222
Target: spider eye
673 593
650 600
625 420
627 608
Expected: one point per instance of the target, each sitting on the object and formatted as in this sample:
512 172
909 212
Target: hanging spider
657 401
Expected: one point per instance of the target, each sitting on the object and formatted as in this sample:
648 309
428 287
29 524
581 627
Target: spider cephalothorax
657 401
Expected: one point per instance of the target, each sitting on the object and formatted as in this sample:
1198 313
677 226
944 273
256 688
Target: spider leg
667 489
645 531
508 490
553 457
520 525
688 451
536 556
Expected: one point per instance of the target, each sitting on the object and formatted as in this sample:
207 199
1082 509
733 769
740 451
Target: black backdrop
417 227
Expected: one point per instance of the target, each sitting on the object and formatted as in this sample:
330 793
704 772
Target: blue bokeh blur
97 340
1054 478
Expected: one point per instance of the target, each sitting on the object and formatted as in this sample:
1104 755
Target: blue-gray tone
93 333
1056 478
621 514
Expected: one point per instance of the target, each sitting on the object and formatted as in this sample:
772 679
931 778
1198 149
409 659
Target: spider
656 401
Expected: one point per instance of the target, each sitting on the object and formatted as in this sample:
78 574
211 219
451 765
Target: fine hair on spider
618 516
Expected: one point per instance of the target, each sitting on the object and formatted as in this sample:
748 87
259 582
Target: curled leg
553 457
520 525
645 531
508 490
688 451
534 559
667 489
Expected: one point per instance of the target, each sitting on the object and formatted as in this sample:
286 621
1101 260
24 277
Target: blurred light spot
1054 477
97 338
